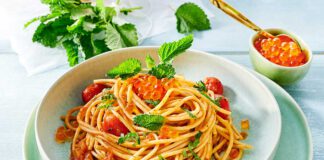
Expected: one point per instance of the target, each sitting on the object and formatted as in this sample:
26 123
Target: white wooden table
20 93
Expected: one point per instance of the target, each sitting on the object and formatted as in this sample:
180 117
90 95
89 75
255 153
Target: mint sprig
89 27
166 52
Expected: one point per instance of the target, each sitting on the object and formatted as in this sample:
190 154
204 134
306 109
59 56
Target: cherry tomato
114 126
225 105
214 85
91 91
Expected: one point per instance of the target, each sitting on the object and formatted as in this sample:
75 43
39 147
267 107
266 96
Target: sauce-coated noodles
192 127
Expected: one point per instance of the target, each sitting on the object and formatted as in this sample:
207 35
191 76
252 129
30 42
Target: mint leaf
128 33
189 113
132 136
49 34
86 46
151 122
191 17
77 26
113 38
153 102
88 26
169 50
201 86
150 63
163 71
72 51
81 26
83 10
91 47
126 69
99 46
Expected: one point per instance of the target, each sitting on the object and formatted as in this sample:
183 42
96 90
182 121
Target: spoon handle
229 10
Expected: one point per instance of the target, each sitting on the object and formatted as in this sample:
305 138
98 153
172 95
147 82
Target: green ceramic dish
290 112
280 74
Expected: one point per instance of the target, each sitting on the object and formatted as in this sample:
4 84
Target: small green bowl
281 74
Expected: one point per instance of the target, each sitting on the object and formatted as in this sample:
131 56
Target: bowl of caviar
284 58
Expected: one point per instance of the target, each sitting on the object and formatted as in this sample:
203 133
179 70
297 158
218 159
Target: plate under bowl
249 97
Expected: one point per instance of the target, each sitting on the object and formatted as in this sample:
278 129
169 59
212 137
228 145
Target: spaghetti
194 126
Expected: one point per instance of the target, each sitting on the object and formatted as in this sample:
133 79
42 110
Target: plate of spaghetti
158 103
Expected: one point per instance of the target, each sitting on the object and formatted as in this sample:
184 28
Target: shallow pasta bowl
249 97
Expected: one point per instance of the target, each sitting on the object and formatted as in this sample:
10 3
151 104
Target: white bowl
249 97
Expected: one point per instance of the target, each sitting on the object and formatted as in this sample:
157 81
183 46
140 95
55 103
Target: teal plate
295 141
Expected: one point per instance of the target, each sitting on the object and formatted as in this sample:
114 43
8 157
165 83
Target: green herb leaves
193 144
105 106
163 71
48 34
121 36
71 52
126 69
169 50
191 17
130 137
161 157
89 28
107 101
150 63
153 102
166 52
107 97
201 86
151 122
189 113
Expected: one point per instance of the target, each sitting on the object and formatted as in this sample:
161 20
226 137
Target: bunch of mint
80 26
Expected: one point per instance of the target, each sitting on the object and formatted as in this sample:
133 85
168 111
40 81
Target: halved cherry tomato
225 105
91 91
114 126
214 85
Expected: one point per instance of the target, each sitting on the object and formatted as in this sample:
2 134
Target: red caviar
148 87
281 50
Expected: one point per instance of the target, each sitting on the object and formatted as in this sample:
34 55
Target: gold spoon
229 10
